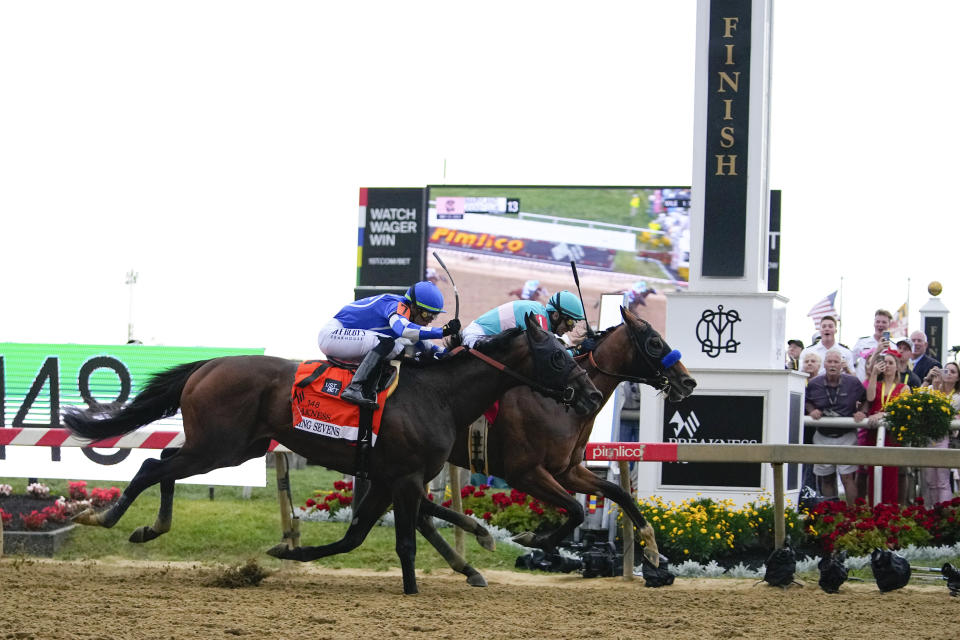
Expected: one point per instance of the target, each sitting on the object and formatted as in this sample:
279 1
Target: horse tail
160 398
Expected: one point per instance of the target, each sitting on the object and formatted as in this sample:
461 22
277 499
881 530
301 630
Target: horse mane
498 341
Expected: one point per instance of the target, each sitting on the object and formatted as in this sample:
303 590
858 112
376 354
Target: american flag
823 308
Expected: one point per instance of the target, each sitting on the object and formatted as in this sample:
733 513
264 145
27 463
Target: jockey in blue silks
380 327
561 314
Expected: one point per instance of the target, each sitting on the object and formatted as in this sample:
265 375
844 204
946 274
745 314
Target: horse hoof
487 541
653 557
143 534
87 517
282 551
477 580
526 538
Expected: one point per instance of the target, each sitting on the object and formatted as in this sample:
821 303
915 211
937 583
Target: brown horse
232 407
538 447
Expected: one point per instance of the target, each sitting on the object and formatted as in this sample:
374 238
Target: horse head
558 373
662 362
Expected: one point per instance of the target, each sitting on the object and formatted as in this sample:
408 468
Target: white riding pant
472 333
352 344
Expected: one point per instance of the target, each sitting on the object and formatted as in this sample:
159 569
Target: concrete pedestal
730 406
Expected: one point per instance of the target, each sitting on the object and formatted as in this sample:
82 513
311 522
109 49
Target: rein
658 382
563 396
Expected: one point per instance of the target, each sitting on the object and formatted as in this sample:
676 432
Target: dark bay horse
538 447
232 407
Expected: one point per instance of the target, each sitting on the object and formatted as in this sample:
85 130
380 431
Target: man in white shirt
828 340
868 344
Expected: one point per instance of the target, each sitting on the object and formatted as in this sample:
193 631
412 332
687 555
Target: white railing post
878 470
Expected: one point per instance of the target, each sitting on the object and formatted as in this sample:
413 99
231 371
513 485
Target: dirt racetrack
51 600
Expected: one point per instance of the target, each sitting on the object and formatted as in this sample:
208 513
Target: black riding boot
361 391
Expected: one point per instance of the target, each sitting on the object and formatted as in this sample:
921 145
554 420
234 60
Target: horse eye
655 345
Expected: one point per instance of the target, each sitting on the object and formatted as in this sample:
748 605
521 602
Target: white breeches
472 333
351 344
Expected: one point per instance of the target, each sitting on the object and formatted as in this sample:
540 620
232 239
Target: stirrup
354 395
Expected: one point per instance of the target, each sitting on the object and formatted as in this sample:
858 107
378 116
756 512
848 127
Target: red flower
345 500
331 496
5 517
323 506
468 512
34 521
311 502
487 516
446 503
479 494
77 490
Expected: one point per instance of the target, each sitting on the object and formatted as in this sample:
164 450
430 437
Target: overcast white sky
217 147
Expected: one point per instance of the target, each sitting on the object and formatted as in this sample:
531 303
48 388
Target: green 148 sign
38 380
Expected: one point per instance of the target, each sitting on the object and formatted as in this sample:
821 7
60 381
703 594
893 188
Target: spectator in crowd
921 363
835 394
794 347
828 340
867 344
935 483
904 374
810 365
882 386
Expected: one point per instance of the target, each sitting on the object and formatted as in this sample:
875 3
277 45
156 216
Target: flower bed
703 529
860 529
37 510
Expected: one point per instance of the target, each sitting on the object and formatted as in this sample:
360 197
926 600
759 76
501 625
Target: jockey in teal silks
380 327
561 314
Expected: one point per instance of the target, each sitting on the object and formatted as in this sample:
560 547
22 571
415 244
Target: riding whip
576 279
456 294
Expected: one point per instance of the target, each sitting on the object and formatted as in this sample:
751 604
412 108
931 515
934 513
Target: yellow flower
687 551
703 530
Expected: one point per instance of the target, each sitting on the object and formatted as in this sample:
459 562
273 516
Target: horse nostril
689 383
596 397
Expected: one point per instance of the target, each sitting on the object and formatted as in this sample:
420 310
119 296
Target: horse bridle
655 352
560 372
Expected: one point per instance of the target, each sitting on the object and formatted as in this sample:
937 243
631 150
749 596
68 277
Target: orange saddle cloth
317 407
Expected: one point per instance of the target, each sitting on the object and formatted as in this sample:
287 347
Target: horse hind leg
454 559
167 487
164 513
373 504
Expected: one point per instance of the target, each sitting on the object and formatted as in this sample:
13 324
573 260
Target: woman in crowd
936 485
882 386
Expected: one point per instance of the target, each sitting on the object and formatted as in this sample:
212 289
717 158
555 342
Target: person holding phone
868 344
882 386
935 483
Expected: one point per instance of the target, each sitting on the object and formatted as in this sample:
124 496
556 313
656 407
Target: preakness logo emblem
715 331
690 425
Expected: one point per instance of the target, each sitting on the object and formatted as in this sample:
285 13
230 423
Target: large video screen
508 242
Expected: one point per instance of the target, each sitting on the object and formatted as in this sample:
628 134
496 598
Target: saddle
317 407
386 380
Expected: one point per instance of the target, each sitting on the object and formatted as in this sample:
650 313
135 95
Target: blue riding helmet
567 304
426 296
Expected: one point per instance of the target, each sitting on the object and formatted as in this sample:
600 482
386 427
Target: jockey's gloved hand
588 344
451 327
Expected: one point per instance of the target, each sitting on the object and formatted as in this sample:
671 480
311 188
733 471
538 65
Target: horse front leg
374 503
582 480
541 485
457 562
468 524
407 493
